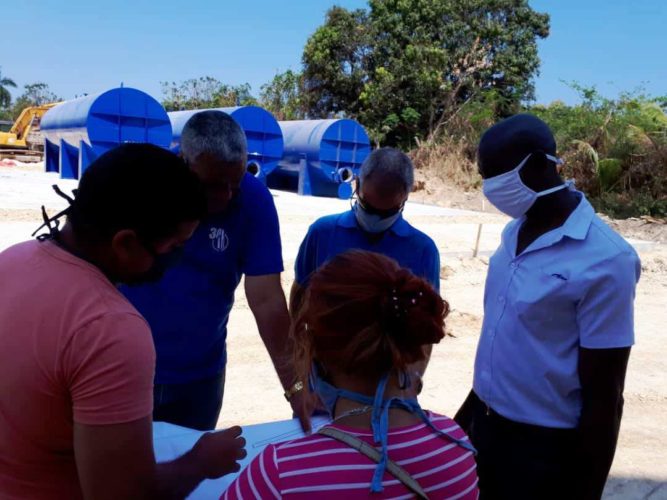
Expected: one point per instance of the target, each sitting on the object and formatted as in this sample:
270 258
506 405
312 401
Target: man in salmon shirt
77 360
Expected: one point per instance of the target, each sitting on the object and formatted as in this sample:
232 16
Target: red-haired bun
365 314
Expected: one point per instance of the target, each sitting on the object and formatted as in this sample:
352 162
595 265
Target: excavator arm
26 124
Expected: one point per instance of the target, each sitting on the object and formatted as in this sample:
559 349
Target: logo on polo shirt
219 239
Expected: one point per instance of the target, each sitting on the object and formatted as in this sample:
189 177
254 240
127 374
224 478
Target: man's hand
303 405
217 453
117 461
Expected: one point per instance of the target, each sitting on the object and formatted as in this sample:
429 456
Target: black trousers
520 461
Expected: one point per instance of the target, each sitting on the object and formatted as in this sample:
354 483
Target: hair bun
366 315
413 312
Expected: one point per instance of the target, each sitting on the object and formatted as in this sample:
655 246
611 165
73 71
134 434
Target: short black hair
509 141
136 186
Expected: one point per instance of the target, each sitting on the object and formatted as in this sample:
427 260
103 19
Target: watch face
293 390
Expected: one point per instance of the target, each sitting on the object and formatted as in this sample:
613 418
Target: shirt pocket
546 301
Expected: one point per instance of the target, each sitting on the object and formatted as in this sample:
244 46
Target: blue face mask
330 394
372 223
510 195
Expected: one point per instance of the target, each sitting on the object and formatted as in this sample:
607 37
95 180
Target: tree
38 93
5 115
5 96
336 60
204 92
614 148
405 67
34 94
284 96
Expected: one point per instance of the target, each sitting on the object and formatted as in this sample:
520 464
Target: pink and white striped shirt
320 467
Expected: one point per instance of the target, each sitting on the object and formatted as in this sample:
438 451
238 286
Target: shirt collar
578 223
575 227
349 221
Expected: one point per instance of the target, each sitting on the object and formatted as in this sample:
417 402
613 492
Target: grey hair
215 133
391 165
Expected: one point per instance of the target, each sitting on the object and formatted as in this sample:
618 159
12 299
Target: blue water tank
321 157
265 140
78 131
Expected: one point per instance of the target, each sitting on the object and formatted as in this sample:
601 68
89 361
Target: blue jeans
193 404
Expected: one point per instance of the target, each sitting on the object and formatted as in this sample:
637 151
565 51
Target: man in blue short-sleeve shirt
375 223
547 396
189 308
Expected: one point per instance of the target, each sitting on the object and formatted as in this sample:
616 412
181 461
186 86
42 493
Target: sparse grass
449 160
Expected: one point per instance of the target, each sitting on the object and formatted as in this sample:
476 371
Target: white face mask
510 195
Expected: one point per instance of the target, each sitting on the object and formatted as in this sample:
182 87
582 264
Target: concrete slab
293 204
21 189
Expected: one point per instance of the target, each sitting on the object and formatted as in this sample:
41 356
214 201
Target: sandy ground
253 394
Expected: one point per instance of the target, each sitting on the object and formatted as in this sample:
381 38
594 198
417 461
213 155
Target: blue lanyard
379 417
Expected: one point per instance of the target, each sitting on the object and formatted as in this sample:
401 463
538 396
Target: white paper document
171 441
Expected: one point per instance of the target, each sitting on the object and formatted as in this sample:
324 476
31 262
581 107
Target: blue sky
79 46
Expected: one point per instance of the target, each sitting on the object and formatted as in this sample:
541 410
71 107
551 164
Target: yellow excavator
24 134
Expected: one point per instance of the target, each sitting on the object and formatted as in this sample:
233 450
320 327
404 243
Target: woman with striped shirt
363 336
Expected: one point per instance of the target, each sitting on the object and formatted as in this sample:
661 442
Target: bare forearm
598 437
602 375
117 461
213 455
178 478
273 324
296 298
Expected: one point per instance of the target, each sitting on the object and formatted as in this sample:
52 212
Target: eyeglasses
370 209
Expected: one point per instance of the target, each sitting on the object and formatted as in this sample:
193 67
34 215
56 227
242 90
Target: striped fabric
320 467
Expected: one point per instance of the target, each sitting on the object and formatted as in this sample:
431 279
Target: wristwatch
298 386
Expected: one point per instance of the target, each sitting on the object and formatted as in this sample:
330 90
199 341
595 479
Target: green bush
623 206
616 149
609 172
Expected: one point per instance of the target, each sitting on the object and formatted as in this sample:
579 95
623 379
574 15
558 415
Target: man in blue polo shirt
547 396
189 308
375 223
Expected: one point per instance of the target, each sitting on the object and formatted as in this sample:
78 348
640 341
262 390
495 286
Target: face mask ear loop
555 159
53 223
59 192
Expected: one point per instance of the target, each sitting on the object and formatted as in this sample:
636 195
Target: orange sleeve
108 368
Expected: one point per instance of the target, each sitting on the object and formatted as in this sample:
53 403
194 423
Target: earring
420 383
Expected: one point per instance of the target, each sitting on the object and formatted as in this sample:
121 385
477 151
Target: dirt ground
253 394
434 190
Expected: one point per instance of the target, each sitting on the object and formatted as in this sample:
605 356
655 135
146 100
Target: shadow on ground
634 488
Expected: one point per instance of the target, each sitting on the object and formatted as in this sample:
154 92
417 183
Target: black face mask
161 263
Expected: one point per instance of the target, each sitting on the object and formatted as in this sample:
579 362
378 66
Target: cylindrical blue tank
265 140
321 157
80 130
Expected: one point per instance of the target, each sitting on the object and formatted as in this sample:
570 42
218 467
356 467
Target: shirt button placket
492 331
